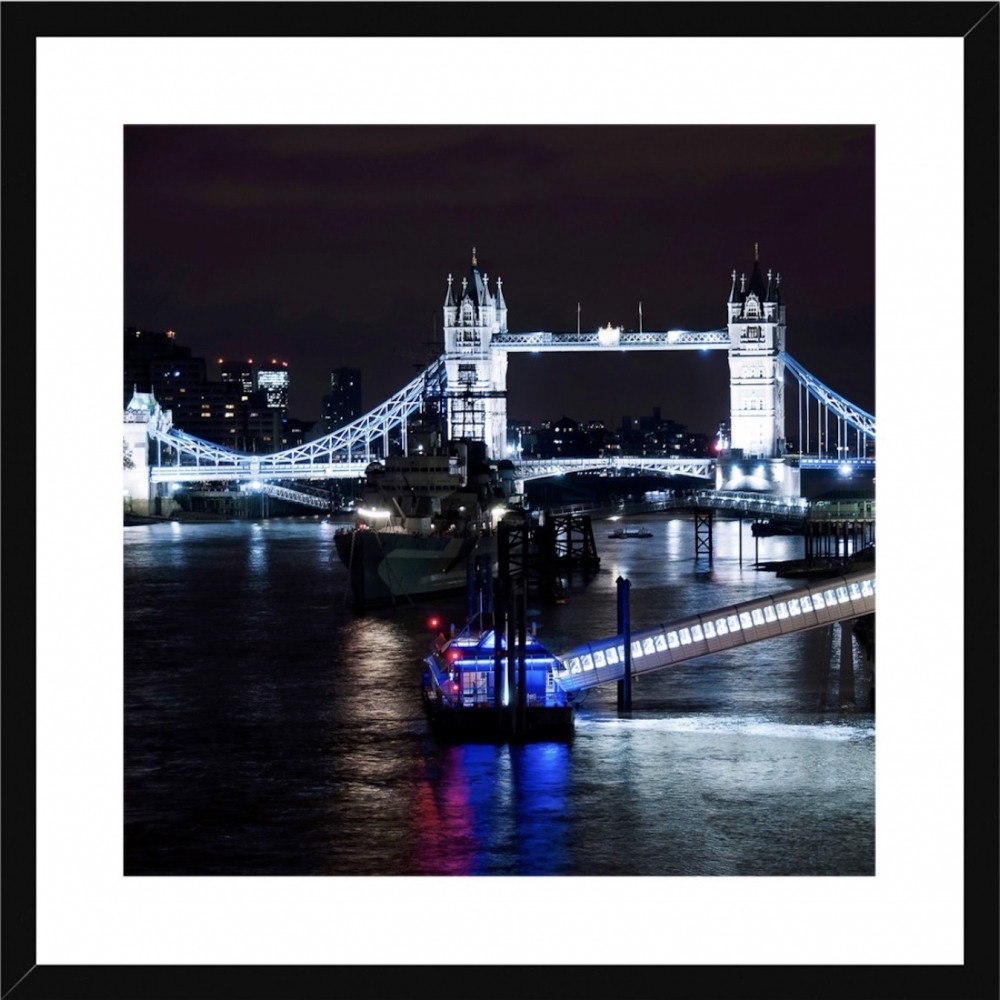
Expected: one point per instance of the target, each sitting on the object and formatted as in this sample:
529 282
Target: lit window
588 661
660 642
672 641
842 595
636 650
793 607
599 658
709 630
769 614
697 634
782 609
733 622
685 636
745 620
831 597
612 654
818 602
868 588
855 592
574 664
806 604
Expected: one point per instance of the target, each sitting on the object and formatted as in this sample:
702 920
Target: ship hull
385 565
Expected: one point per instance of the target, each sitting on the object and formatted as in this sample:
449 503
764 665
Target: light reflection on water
271 731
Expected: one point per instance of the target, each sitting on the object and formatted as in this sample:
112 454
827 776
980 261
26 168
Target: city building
272 380
343 402
229 412
243 372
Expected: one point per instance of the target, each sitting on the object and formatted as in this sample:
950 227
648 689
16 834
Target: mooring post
498 664
522 667
511 712
625 630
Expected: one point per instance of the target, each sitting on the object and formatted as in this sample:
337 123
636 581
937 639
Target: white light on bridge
609 336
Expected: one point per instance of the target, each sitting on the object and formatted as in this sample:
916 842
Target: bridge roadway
807 606
750 504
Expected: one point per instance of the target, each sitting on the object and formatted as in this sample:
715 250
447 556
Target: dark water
270 731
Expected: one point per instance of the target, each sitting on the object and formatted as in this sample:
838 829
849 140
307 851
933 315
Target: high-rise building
154 355
272 380
243 372
343 403
222 412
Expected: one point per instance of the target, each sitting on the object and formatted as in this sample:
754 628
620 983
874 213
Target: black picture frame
977 977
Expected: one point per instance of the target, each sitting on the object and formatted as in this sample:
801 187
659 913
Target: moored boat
425 526
460 693
630 531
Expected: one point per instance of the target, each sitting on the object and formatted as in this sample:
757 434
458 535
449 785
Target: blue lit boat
459 690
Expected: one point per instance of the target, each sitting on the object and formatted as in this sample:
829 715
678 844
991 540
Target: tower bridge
467 386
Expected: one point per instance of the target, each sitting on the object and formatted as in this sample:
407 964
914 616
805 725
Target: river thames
269 730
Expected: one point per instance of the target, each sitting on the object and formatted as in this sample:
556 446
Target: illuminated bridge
467 387
656 647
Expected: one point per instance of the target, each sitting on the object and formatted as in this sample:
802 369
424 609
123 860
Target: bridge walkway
807 606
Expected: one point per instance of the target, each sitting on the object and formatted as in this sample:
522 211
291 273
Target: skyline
330 246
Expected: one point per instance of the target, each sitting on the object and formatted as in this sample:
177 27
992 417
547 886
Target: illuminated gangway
656 647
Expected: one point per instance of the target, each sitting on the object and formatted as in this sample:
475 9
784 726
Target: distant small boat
625 531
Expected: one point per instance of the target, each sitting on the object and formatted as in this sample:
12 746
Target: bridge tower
142 408
756 315
476 377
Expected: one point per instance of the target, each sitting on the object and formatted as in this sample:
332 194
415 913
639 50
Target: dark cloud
328 246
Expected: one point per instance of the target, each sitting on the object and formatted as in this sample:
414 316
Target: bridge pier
837 538
864 629
848 698
703 534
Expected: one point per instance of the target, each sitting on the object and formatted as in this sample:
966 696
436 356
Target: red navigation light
454 655
434 622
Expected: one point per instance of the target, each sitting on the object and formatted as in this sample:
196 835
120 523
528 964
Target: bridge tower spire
476 376
756 315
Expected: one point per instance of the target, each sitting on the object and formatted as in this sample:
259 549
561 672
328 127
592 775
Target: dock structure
544 549
497 683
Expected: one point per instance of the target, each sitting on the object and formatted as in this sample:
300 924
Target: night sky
326 246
